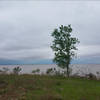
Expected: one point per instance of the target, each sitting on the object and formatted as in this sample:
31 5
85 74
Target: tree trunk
68 62
68 70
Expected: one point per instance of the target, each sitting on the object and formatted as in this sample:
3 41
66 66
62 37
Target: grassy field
35 87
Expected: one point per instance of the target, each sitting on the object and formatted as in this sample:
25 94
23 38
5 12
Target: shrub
36 71
50 71
59 73
0 71
91 76
84 71
98 73
16 70
5 69
53 71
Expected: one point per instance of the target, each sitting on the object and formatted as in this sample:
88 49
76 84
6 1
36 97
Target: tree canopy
64 46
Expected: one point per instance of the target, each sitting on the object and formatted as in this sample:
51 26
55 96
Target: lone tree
63 46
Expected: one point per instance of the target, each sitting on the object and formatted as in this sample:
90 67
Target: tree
64 46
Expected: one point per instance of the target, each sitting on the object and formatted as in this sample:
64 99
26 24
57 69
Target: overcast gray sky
26 27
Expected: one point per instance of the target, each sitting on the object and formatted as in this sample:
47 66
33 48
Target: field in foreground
35 87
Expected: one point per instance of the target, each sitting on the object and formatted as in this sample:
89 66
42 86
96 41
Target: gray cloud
26 27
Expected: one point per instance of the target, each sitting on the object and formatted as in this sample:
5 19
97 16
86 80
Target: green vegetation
35 71
35 87
4 70
16 70
64 47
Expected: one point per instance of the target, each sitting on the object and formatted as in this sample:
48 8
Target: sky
26 27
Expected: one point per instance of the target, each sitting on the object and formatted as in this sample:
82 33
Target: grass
35 87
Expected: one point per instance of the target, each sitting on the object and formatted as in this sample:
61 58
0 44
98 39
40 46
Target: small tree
36 71
5 69
16 70
63 45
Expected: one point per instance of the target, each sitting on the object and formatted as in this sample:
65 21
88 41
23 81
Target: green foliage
59 73
54 71
4 70
36 71
0 70
49 71
16 70
63 46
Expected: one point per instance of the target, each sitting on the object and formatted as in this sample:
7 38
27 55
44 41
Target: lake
76 68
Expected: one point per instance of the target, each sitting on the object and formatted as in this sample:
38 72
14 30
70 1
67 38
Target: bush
53 71
84 71
5 69
0 71
59 74
16 70
36 71
50 71
91 76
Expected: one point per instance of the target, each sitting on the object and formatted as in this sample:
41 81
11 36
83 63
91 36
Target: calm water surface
43 68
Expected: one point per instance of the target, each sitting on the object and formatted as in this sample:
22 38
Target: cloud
89 51
26 27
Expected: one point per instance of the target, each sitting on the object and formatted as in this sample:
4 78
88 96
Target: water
28 68
76 68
